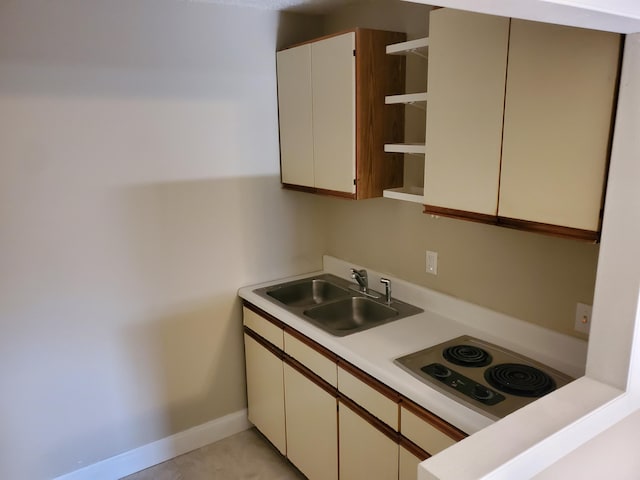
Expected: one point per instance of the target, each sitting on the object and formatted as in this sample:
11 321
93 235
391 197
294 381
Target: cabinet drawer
263 327
365 395
312 359
424 434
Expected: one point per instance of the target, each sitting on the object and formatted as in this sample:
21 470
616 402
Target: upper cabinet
519 121
333 119
559 104
466 82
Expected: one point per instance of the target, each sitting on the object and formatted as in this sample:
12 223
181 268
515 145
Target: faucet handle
387 288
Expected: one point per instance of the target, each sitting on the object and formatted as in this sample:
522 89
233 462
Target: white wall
138 190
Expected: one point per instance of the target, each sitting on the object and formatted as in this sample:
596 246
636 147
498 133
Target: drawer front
422 433
368 398
263 327
312 359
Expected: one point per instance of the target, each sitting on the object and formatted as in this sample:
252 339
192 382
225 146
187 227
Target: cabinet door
312 427
334 113
466 82
365 452
408 469
265 392
294 109
559 104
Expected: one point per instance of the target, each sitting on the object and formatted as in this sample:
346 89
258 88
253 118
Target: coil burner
488 378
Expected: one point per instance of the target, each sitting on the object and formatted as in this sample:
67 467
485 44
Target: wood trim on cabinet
461 214
370 381
525 225
377 75
435 421
304 371
311 344
320 191
265 343
336 193
414 449
299 188
250 306
373 421
554 230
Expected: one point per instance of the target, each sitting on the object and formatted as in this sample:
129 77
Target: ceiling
300 6
613 15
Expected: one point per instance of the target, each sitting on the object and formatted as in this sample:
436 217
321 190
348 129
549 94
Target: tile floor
244 456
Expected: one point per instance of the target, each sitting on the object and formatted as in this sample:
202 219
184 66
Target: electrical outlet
583 318
432 262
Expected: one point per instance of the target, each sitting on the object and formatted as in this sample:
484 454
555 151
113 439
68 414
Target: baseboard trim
162 450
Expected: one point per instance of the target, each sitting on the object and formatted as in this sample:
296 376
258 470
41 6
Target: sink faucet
387 284
361 277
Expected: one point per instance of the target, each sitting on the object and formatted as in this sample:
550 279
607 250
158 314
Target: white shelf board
418 46
406 98
415 148
407 194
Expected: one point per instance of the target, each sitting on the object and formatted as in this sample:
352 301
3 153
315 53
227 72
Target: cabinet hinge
354 181
354 52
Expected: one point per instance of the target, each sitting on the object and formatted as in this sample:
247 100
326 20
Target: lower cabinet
329 418
265 392
366 453
408 463
312 426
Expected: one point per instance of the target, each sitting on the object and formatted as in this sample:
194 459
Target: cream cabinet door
312 427
559 104
408 465
334 112
466 84
294 109
265 392
365 452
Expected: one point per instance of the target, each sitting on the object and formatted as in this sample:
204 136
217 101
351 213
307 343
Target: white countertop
444 318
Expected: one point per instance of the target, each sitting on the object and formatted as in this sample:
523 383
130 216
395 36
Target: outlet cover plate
583 318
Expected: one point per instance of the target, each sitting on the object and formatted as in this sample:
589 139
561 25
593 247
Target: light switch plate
583 318
432 263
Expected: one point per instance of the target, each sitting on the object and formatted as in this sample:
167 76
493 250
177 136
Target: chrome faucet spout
362 278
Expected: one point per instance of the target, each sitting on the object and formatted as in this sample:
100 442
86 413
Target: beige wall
529 276
139 188
532 277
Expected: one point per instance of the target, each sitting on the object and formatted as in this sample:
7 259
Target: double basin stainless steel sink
335 305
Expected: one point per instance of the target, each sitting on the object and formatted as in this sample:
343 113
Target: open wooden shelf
413 148
407 194
418 47
415 99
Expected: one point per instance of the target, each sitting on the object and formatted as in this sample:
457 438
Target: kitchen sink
335 305
308 292
350 315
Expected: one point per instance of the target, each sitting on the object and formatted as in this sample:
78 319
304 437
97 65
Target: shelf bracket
421 55
417 105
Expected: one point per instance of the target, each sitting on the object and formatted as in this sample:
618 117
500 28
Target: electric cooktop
486 377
